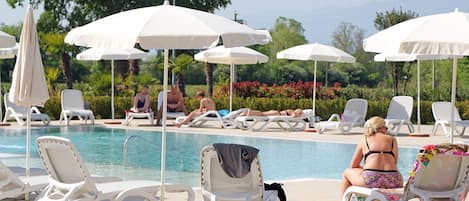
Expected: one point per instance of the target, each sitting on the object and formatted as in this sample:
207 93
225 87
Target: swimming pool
102 149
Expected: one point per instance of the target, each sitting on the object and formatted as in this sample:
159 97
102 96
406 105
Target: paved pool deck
296 190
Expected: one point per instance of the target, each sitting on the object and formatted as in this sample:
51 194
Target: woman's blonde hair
373 124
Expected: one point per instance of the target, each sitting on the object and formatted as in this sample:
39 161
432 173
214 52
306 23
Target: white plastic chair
14 186
218 186
74 106
69 178
19 113
443 176
442 115
129 116
399 113
286 123
354 116
226 121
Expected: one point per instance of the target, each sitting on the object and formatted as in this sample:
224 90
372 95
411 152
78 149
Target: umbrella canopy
96 54
316 52
440 34
8 53
6 40
164 27
232 56
28 86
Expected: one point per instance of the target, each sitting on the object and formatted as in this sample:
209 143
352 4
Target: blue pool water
102 149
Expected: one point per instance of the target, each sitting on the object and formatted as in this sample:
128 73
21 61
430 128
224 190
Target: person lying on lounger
379 153
142 101
289 112
206 104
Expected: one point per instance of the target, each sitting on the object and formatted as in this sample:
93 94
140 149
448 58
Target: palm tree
178 66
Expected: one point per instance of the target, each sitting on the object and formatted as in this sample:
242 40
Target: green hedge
101 106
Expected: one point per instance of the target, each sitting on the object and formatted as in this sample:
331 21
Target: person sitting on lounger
289 112
142 101
206 104
379 153
175 103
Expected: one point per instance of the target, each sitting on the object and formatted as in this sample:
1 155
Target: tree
179 65
348 38
388 19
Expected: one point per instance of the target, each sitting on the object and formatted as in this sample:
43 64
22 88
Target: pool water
102 150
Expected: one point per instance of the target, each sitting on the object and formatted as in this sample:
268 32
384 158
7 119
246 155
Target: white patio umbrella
164 27
403 57
6 53
6 40
440 34
28 86
231 56
316 52
96 54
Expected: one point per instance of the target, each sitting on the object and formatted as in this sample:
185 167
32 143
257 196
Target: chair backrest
17 109
442 111
440 168
72 99
214 179
400 108
63 161
355 109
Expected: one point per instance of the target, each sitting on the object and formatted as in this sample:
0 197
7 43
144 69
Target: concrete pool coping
298 189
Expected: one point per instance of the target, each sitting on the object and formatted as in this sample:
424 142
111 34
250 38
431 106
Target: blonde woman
379 153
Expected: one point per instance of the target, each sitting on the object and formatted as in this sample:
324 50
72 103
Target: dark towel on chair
235 159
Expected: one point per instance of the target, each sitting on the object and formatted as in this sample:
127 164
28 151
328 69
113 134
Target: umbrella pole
433 74
418 96
231 86
1 98
112 89
28 142
314 89
163 133
453 97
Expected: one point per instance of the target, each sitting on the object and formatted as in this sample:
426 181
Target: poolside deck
296 190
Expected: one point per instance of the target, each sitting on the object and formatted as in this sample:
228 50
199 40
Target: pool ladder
127 140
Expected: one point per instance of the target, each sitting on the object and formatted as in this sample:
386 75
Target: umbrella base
419 134
113 122
311 130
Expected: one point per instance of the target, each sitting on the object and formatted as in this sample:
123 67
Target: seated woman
142 101
379 153
289 112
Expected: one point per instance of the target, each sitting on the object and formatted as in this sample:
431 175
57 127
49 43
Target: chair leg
462 132
435 127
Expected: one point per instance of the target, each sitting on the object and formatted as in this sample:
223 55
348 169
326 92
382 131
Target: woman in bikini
141 101
379 153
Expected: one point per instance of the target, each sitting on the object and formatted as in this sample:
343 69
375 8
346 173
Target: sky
319 17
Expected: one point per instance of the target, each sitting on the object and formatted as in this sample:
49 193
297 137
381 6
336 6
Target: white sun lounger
73 105
19 113
129 116
442 115
354 116
226 121
287 123
69 178
399 113
218 186
14 186
442 177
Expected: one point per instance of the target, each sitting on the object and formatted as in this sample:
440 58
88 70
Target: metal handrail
127 140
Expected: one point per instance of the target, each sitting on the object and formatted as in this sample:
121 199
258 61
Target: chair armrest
35 110
334 117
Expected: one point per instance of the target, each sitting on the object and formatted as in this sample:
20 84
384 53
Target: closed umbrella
315 52
164 27
403 57
95 54
231 56
28 86
6 40
5 53
439 34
